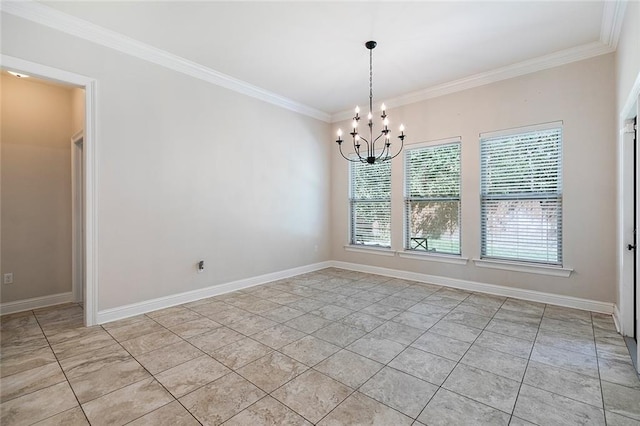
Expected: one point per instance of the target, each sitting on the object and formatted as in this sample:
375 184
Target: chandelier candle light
370 156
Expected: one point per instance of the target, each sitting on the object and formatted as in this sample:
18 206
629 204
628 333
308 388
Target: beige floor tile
38 405
149 342
509 328
240 353
251 325
332 312
423 365
209 342
87 344
569 342
621 400
222 399
448 408
461 316
349 368
363 321
272 371
564 382
168 415
191 375
25 361
283 314
308 323
507 344
91 362
456 331
278 336
174 319
484 387
312 395
545 408
573 361
108 378
398 332
621 373
126 404
382 311
476 346
376 348
168 356
359 409
614 419
400 391
443 346
72 417
30 381
267 412
500 363
524 306
339 334
309 350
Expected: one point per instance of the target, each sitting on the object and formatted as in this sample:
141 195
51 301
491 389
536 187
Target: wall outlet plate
8 278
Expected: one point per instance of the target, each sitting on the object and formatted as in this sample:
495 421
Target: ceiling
313 52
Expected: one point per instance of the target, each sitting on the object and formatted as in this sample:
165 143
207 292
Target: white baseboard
126 311
498 290
35 303
616 318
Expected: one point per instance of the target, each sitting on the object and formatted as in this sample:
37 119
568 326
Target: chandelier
360 143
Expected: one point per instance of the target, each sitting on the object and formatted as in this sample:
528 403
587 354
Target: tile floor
332 347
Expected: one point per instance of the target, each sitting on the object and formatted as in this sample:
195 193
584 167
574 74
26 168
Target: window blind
432 198
521 196
370 200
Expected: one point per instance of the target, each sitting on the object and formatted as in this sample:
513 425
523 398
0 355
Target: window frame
411 252
353 244
522 263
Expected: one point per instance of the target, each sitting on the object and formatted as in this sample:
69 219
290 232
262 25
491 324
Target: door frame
626 259
89 160
77 217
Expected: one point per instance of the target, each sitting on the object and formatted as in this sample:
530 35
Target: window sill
434 257
524 267
380 251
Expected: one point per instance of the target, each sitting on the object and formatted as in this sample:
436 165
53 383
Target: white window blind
521 196
370 199
432 198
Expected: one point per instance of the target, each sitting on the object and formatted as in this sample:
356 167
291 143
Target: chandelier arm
349 159
386 148
401 146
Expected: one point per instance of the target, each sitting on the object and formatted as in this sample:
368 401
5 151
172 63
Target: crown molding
540 63
610 28
47 16
612 18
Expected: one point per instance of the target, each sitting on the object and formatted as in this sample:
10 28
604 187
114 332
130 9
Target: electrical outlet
8 278
201 266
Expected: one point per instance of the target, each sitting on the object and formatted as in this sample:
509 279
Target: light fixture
18 74
371 156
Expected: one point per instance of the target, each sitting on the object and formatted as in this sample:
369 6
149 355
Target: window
521 195
432 198
370 199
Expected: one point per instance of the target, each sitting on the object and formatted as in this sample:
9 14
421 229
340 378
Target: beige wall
77 110
36 188
582 95
186 171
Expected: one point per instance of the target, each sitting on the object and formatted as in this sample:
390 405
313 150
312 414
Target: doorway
87 153
629 183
